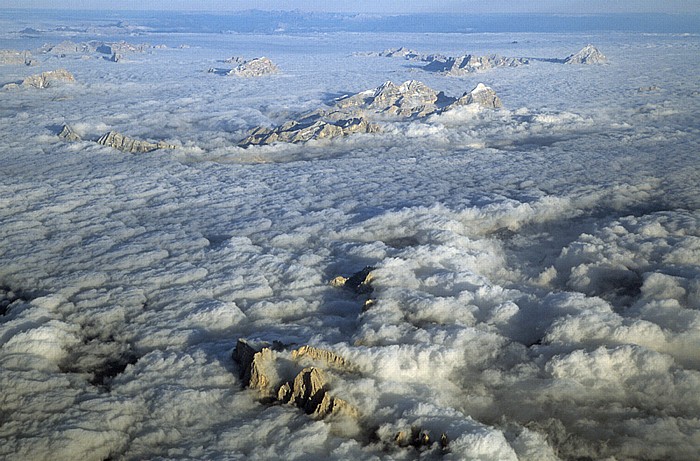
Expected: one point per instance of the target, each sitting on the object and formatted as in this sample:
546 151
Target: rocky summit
17 58
306 130
299 377
587 55
469 63
43 80
482 95
131 145
411 98
361 112
255 68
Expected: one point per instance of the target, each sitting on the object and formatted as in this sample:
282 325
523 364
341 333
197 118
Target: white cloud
536 287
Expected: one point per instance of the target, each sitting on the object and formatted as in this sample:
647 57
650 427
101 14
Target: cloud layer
536 291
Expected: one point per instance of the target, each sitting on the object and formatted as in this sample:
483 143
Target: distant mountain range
258 21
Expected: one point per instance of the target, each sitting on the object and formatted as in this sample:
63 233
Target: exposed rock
587 55
469 63
121 47
354 113
411 98
360 282
403 53
104 49
68 134
295 132
17 58
115 57
44 80
255 68
283 377
329 358
235 60
68 47
481 95
131 145
64 48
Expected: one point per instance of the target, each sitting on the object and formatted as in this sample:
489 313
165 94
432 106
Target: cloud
535 291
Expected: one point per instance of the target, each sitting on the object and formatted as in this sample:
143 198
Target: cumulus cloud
535 288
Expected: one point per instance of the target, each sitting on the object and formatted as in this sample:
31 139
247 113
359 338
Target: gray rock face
410 99
255 68
482 95
68 134
68 47
302 131
357 113
131 145
298 378
402 53
587 55
43 80
469 63
235 60
359 282
17 58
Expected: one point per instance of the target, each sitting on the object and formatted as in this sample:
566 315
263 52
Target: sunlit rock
587 55
411 98
298 378
43 80
255 68
127 144
360 282
357 113
482 95
469 63
314 353
17 58
68 134
296 132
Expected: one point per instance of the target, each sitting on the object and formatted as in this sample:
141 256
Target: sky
385 6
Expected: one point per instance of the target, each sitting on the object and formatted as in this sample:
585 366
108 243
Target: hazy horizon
384 7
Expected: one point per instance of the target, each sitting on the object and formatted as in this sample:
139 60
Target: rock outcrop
68 134
67 48
295 378
43 80
360 282
359 113
482 95
469 63
17 58
235 60
255 68
410 99
134 146
587 55
306 130
402 53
